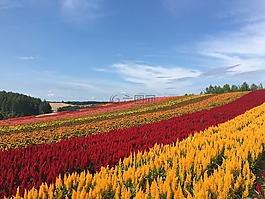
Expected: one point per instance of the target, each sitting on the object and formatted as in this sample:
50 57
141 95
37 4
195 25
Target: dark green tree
244 87
226 88
234 88
45 107
219 90
211 89
254 87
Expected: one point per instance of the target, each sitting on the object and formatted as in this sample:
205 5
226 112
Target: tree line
233 88
16 105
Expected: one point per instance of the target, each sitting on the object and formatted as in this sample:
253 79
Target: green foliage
15 105
227 88
234 88
254 87
44 107
69 108
244 87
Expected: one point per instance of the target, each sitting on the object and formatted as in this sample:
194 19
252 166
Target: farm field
197 146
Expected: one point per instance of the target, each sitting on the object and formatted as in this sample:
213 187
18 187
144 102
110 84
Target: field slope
138 151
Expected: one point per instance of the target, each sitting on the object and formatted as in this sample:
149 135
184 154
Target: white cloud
50 94
241 11
26 58
75 5
80 10
72 10
8 4
100 69
249 40
155 78
79 85
11 4
244 47
56 86
238 54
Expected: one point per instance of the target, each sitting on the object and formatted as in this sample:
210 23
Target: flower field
78 113
22 135
184 147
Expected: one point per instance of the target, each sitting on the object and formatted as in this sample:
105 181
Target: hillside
175 147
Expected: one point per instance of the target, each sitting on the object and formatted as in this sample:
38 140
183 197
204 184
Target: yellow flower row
214 163
92 125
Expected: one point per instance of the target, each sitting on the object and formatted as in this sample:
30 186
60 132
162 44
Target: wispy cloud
160 55
100 69
240 11
155 78
8 4
81 10
72 10
243 47
26 58
233 54
11 4
50 94
218 71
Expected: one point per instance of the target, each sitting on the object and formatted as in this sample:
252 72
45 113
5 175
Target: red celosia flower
259 189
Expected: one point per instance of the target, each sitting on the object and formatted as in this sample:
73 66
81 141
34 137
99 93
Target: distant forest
16 105
75 105
234 88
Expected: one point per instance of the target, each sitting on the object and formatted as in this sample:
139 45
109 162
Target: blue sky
93 49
